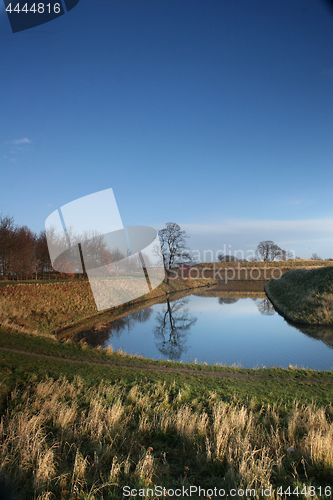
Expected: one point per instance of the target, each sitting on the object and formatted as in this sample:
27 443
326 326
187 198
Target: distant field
283 264
224 294
248 276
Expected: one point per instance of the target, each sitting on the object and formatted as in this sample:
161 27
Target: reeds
66 440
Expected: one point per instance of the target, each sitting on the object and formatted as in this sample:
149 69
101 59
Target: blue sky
216 115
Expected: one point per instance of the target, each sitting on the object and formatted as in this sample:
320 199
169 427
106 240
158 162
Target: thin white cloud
301 236
237 226
24 140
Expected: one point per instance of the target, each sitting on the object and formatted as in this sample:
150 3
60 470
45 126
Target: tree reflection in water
227 300
265 306
173 325
100 334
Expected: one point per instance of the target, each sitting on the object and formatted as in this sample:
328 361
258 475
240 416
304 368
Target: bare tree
268 251
226 300
173 325
43 262
173 245
7 245
315 256
227 258
265 306
285 255
24 252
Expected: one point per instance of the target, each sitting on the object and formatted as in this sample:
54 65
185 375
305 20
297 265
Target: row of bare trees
23 254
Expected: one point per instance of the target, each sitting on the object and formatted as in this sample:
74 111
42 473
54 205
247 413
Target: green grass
262 384
304 296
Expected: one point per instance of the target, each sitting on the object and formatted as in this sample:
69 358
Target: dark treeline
23 254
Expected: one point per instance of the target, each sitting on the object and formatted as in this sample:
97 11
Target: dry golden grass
36 308
42 307
63 440
282 264
304 295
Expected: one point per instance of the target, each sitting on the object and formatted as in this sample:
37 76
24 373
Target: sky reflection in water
241 331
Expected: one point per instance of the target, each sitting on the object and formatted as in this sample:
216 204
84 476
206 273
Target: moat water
220 329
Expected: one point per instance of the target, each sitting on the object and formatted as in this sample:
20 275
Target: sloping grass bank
43 308
304 296
85 423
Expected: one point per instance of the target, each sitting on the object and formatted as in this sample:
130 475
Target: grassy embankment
304 296
44 308
249 276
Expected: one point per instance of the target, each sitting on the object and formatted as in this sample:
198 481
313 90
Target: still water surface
242 331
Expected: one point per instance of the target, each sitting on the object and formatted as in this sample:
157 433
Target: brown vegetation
281 264
22 252
43 308
65 439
